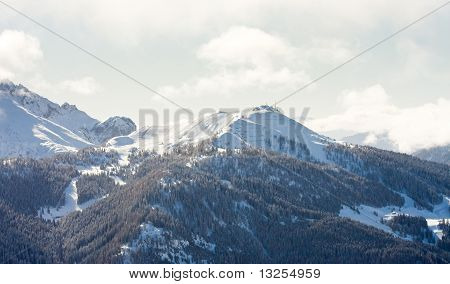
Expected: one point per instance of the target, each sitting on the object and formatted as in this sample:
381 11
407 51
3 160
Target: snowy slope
150 138
112 127
71 197
67 116
264 127
373 216
23 133
35 127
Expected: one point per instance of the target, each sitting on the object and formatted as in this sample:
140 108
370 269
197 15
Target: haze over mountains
439 154
231 188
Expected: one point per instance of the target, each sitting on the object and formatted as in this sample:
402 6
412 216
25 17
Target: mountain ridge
33 113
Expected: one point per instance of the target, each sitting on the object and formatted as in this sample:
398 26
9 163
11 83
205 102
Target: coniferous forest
201 205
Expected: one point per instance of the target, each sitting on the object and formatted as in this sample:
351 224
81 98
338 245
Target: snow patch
71 197
373 216
70 204
118 180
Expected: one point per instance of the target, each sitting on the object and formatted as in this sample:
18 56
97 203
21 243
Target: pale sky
238 54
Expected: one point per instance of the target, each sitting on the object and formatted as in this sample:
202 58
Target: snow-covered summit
264 127
25 134
113 127
25 113
65 115
267 108
5 84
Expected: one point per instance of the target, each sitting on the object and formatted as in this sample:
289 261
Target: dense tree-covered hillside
200 204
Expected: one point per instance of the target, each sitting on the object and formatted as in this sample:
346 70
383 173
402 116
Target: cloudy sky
242 53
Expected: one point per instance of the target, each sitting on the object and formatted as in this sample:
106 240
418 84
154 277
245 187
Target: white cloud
83 86
247 60
244 61
65 90
372 111
246 46
19 53
372 97
238 82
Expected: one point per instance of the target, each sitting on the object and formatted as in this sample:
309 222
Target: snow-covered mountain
36 127
112 127
25 134
67 116
263 127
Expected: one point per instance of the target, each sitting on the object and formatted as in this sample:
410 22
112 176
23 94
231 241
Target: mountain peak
68 106
119 120
5 82
47 127
8 85
113 127
267 108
